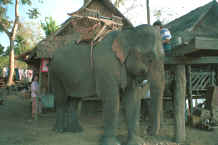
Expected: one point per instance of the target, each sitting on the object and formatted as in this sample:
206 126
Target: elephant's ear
120 48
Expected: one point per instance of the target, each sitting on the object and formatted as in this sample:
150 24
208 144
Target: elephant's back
71 64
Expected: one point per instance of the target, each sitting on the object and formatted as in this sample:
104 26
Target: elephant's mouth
142 73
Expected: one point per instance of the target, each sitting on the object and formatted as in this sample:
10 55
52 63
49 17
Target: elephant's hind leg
72 121
66 118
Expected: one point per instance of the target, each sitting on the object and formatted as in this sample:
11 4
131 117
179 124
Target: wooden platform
198 47
191 60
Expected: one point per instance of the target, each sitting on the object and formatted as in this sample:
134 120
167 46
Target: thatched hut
90 23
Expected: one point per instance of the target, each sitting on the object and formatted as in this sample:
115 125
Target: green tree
49 26
28 35
4 62
1 49
10 27
21 45
7 52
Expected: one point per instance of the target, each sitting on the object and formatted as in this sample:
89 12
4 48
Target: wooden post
216 74
40 77
48 91
148 12
179 95
79 107
213 74
37 97
189 90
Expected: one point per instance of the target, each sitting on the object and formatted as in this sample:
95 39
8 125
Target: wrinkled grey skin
115 73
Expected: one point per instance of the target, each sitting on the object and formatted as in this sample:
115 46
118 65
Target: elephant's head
137 48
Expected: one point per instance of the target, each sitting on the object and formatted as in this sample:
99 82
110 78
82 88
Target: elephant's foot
74 129
135 140
152 131
58 129
109 141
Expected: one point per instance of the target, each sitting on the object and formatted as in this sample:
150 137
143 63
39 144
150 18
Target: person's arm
32 87
166 41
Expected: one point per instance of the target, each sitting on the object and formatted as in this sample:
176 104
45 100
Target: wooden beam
183 49
79 107
206 43
180 103
191 60
106 21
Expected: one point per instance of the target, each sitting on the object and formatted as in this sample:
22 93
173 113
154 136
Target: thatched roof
202 21
45 47
24 56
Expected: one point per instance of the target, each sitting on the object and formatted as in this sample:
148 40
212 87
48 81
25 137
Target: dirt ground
17 128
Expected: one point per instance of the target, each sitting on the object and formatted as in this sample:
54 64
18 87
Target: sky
135 10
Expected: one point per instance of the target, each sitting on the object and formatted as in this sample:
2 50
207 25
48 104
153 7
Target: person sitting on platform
165 35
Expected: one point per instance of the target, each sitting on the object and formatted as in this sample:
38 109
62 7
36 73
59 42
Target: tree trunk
148 12
12 38
11 63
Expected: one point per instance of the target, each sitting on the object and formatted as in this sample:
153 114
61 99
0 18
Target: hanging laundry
4 71
20 71
29 75
16 74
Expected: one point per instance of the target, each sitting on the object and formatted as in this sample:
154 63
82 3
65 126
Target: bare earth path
17 128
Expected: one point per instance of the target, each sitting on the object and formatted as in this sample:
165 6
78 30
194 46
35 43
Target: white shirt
34 89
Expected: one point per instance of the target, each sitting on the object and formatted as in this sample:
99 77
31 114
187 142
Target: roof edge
202 16
105 3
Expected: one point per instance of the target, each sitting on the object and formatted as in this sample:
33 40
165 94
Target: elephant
112 69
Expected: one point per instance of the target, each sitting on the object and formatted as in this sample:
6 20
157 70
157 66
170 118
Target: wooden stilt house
195 45
194 58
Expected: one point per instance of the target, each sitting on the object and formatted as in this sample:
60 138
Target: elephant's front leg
59 125
157 82
111 101
132 106
110 115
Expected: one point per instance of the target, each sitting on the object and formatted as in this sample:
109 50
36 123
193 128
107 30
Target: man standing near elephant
165 35
36 101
